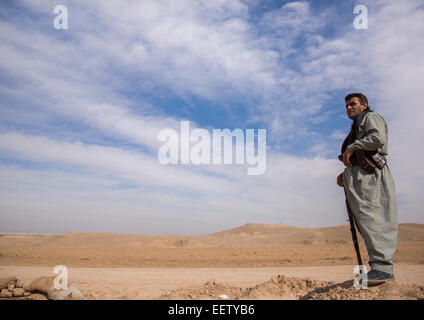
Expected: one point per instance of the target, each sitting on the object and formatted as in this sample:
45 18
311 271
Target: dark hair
362 98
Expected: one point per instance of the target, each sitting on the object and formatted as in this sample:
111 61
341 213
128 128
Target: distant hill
280 235
248 235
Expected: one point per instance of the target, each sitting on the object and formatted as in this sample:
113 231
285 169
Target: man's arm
346 157
340 180
375 129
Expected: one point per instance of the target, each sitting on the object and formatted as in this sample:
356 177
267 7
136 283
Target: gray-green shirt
372 134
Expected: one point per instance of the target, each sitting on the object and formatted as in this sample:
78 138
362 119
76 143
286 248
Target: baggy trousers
372 199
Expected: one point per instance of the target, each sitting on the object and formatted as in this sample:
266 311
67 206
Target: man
371 196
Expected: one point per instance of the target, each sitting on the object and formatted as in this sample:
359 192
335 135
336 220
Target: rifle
353 231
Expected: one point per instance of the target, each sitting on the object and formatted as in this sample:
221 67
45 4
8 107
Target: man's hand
346 156
340 180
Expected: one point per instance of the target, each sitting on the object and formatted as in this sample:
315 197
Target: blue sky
80 110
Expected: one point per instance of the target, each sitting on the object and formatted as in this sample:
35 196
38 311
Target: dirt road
152 283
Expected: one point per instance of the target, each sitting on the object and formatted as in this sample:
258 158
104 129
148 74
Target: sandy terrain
255 261
209 283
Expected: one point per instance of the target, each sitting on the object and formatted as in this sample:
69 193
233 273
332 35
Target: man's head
356 103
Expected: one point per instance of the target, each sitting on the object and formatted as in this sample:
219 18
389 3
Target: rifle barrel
353 231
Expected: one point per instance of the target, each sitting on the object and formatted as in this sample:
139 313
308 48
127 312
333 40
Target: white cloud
169 190
209 49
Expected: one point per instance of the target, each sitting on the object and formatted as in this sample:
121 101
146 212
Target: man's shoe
378 277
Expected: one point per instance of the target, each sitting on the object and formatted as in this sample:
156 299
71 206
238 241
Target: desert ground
254 261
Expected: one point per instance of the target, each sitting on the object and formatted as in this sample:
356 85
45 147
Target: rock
274 279
10 286
37 296
72 293
5 293
26 293
42 284
5 281
19 284
18 292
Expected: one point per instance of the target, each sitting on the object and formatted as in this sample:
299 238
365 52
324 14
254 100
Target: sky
81 110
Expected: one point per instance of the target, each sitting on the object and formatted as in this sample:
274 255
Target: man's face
354 107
